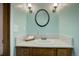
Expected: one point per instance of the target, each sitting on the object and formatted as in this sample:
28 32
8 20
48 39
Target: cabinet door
43 52
21 51
64 52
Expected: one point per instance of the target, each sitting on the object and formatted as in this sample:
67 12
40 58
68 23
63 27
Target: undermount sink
43 41
43 38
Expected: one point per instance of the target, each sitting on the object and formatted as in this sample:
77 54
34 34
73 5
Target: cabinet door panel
43 52
64 52
21 51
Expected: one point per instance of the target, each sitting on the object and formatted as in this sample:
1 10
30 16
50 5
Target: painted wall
51 28
1 28
18 26
69 24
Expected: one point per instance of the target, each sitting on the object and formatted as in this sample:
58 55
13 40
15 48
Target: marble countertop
48 43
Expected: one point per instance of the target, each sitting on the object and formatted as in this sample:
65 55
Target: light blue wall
69 24
19 21
33 28
18 26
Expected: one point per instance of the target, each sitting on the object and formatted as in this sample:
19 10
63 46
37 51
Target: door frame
6 29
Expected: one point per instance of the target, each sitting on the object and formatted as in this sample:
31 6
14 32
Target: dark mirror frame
47 16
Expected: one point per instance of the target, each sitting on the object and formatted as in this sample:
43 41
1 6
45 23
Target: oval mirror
42 17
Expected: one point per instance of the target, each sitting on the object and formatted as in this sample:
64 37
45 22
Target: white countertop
49 43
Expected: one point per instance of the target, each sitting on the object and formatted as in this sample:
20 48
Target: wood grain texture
23 51
34 51
64 52
6 29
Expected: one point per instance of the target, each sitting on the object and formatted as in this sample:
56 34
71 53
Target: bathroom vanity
34 51
48 47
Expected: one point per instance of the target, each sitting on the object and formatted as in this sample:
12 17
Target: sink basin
43 38
43 41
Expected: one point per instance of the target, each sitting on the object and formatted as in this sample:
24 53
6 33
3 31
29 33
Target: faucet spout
44 38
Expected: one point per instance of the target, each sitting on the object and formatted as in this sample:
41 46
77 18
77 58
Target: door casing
6 29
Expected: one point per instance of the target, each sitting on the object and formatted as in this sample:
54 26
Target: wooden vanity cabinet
29 51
